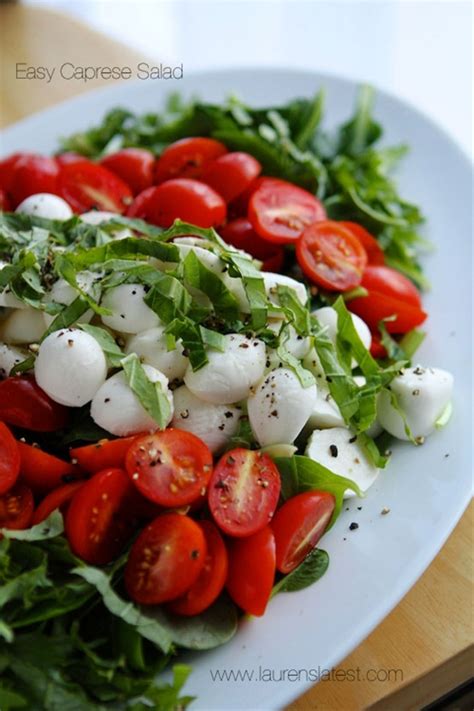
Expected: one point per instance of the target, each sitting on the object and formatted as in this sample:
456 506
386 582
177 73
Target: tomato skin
16 508
33 174
210 583
140 207
298 525
100 519
9 459
135 166
69 158
331 256
231 174
376 307
42 471
241 234
375 254
279 211
171 468
165 560
57 499
377 350
24 404
88 186
105 454
183 198
252 571
7 169
388 281
186 158
243 492
5 204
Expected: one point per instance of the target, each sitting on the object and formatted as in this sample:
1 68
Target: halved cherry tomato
241 234
280 211
16 508
231 174
243 491
7 169
104 454
9 459
171 468
140 207
377 350
331 256
70 157
100 518
24 404
57 499
33 174
87 186
186 158
135 166
252 571
165 560
298 525
42 471
374 251
385 280
212 577
376 307
5 204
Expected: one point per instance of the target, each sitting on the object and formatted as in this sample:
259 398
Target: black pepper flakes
354 526
333 450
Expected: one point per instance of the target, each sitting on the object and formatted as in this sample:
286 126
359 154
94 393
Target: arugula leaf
308 572
112 351
150 394
49 528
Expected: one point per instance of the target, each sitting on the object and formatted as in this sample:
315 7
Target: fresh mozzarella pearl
327 316
63 293
45 205
375 428
228 376
272 281
97 217
325 411
116 408
422 395
214 424
130 314
296 345
70 367
150 347
9 357
7 299
279 407
333 449
24 326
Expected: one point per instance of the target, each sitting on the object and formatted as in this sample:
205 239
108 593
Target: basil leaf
150 395
199 277
112 351
70 314
308 572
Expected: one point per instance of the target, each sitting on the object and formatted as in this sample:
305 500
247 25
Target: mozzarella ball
7 299
335 450
97 217
422 395
150 346
298 346
116 408
129 314
327 316
24 326
279 407
45 205
229 376
70 367
63 293
9 357
325 412
214 424
272 281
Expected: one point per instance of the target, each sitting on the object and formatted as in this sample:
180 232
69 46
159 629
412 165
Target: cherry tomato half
374 251
331 256
104 454
243 492
252 571
171 468
5 204
135 166
231 174
377 350
376 307
42 471
24 404
141 205
212 577
165 560
9 459
33 174
186 158
101 518
16 508
385 280
280 211
241 234
87 186
298 525
57 499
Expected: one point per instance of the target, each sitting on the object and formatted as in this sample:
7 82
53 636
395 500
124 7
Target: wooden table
429 635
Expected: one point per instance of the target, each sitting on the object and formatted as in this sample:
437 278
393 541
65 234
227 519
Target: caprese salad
207 326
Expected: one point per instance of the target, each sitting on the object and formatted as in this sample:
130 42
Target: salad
208 319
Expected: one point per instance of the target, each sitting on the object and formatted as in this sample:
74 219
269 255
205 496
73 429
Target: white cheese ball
24 326
97 217
214 424
279 407
45 205
116 408
70 367
9 357
63 293
422 395
129 314
228 376
150 346
325 412
298 346
327 316
272 281
335 450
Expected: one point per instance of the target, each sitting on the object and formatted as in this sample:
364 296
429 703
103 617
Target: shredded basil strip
150 395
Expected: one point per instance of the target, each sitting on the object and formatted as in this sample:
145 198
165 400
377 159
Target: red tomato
231 174
252 571
16 508
7 169
140 207
9 459
100 519
331 256
385 280
171 468
87 186
24 404
69 158
377 350
33 174
57 499
280 211
135 166
239 207
241 234
5 204
374 251
165 560
243 492
104 454
376 307
298 525
212 577
187 157
41 471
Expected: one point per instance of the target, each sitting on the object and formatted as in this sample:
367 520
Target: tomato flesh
241 234
57 499
9 459
186 158
42 471
24 404
16 508
87 186
252 571
135 166
104 454
375 254
33 174
231 174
